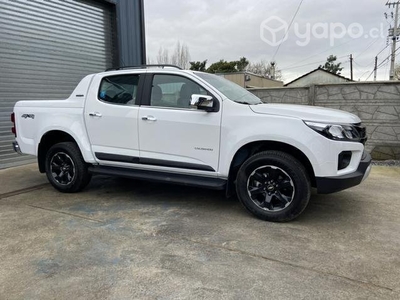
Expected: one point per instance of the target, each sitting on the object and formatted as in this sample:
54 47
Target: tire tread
297 170
82 174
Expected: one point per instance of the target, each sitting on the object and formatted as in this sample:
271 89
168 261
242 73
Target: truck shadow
321 208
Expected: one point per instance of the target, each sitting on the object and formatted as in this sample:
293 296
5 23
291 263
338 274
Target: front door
111 119
173 134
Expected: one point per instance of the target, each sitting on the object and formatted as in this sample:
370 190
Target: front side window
173 91
121 89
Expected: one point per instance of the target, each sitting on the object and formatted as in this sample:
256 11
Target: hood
307 113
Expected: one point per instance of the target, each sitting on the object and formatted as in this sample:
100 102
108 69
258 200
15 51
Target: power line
314 55
357 69
313 63
290 25
386 69
369 46
361 66
382 50
289 67
382 63
388 57
377 66
295 67
331 48
370 74
386 64
362 75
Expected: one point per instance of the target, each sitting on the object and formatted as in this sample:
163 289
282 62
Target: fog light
344 160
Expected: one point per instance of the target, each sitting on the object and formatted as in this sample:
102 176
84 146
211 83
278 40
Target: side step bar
189 180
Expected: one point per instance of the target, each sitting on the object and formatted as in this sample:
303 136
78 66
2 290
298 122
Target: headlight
341 132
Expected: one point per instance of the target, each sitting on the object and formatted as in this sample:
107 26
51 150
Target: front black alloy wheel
65 168
270 188
274 186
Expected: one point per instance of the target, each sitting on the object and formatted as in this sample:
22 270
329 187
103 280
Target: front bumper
16 147
327 185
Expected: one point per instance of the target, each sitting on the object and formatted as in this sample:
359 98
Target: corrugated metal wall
131 34
46 47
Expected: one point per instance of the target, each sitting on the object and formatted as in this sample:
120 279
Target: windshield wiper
247 103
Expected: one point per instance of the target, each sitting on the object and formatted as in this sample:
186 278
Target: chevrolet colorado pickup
165 124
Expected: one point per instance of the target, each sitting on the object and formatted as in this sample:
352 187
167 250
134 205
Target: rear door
111 116
171 133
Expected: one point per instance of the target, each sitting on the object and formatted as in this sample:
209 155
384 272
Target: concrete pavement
122 239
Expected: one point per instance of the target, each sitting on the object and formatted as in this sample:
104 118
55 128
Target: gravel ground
389 163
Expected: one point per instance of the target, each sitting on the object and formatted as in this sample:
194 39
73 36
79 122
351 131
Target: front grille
362 131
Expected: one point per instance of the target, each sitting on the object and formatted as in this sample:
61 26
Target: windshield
231 90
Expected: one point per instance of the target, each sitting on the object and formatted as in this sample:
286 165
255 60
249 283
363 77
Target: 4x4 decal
28 116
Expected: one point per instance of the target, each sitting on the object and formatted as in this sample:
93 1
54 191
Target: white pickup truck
166 124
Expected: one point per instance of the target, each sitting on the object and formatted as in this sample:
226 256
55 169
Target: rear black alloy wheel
274 186
66 169
270 188
62 168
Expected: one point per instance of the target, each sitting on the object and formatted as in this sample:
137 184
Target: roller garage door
46 47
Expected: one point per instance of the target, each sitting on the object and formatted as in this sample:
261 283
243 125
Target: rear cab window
119 89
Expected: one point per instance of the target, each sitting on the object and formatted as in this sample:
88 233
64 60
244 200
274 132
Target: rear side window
121 89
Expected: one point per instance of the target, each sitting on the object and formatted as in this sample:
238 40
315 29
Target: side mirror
203 102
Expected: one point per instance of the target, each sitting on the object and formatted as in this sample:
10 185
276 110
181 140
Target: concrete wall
237 78
258 81
255 80
283 95
377 104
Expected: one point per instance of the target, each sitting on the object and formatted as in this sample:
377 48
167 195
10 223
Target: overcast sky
230 29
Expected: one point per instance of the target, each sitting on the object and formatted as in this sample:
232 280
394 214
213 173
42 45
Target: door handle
149 118
95 114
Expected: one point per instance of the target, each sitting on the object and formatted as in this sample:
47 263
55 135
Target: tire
65 168
273 186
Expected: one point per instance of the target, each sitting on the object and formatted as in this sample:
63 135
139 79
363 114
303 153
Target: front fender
238 131
226 162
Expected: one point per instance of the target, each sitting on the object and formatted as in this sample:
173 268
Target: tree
180 57
397 72
198 65
331 66
241 64
223 66
163 56
261 68
265 69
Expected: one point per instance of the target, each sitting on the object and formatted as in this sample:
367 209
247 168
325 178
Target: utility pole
272 71
394 37
376 67
351 67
